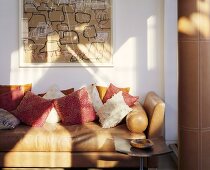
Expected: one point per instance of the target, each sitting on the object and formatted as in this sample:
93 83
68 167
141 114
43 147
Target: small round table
159 148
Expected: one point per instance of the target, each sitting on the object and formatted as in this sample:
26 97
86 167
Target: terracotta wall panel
205 150
205 84
189 150
188 85
194 84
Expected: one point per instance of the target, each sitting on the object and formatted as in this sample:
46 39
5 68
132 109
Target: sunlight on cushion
53 93
113 111
94 96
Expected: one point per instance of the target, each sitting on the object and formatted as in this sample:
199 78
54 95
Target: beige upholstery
89 137
85 145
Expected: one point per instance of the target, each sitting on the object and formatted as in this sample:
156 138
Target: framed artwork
65 33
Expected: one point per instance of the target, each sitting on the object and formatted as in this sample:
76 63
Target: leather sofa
87 145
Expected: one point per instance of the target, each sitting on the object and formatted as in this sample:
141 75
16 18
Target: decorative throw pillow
8 88
75 108
7 120
129 100
11 99
33 110
113 111
53 93
102 90
94 96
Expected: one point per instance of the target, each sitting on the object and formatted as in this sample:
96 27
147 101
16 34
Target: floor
168 162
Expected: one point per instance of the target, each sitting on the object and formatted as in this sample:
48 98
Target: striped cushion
7 120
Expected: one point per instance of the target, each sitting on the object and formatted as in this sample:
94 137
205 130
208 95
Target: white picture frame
59 33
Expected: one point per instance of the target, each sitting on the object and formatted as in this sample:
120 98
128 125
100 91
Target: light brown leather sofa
88 145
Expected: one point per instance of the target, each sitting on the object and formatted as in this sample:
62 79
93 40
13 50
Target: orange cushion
10 100
22 87
102 90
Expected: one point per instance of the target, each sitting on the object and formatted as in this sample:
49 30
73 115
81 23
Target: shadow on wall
138 53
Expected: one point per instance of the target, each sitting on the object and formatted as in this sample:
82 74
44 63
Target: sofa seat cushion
89 137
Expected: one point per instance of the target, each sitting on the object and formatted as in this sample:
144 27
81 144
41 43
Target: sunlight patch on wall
190 25
186 26
92 71
123 72
203 19
205 22
194 18
203 6
125 63
151 43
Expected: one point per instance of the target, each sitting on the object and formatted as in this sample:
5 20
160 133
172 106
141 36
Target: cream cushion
53 93
94 96
113 111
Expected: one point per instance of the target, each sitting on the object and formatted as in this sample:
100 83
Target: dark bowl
141 143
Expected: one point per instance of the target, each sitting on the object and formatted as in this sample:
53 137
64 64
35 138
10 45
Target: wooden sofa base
67 159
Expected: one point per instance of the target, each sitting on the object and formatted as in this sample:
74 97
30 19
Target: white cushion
113 111
53 93
7 120
94 97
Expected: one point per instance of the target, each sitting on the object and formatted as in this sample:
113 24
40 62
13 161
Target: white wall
138 29
171 73
138 55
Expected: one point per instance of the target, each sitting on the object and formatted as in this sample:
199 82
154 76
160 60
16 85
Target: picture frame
59 33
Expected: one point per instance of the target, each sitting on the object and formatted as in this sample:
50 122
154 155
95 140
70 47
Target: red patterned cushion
129 100
75 108
11 99
33 110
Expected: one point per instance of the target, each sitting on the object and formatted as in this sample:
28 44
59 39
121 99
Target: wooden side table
159 148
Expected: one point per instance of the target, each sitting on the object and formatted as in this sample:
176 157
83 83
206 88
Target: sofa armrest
155 109
137 120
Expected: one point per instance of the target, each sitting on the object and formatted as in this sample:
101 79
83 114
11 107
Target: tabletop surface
159 148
